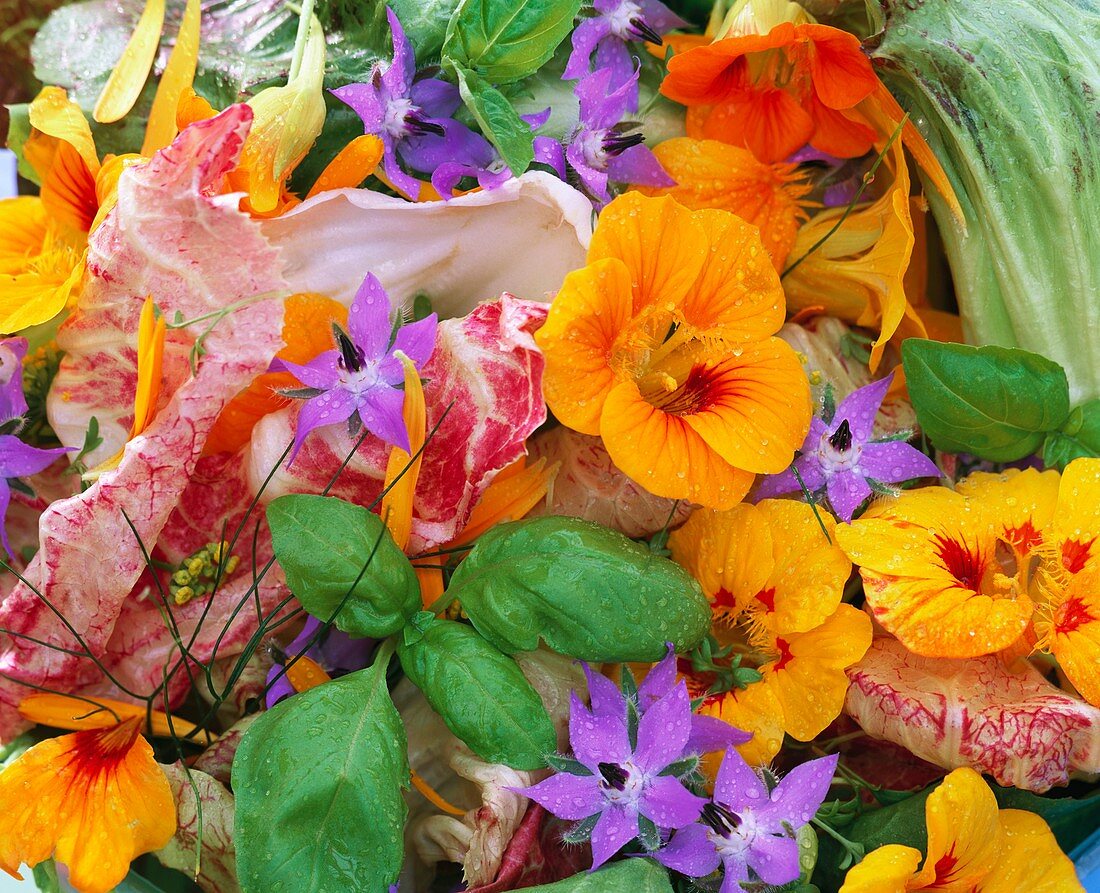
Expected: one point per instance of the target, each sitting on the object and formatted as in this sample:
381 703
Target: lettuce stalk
1007 93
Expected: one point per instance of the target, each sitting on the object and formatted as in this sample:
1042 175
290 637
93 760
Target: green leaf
45 877
329 548
482 695
19 128
587 591
506 40
628 876
994 402
425 24
499 121
318 781
1078 438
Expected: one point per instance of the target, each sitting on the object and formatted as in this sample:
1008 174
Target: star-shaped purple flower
840 456
13 403
623 782
708 733
747 827
601 148
609 33
337 652
414 118
361 380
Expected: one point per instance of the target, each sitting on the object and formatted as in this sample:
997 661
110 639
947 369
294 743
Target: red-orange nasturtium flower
664 346
94 800
775 92
973 847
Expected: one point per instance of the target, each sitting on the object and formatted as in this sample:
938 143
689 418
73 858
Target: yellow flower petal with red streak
307 331
808 671
729 553
403 469
657 449
591 310
931 575
94 800
130 72
351 166
1021 503
858 272
178 76
713 174
66 712
659 241
1031 860
809 572
1068 626
1075 529
964 834
757 406
737 296
756 709
889 869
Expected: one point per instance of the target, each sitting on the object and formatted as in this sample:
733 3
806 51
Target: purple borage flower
608 34
336 651
602 148
840 456
361 381
708 733
415 119
747 827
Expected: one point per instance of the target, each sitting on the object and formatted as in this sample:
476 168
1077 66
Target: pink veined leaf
1008 722
172 236
209 848
484 381
589 485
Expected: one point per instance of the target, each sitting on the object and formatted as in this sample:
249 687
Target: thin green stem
305 21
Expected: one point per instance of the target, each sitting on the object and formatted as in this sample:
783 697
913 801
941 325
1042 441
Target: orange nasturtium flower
973 847
771 566
774 92
94 800
713 174
664 346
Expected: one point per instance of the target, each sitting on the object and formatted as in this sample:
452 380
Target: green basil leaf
499 121
482 695
425 23
1079 437
318 781
628 876
506 40
324 544
996 403
587 591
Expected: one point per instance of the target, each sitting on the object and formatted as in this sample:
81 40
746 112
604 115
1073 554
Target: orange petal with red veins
69 189
757 407
1070 629
729 553
1075 530
808 673
592 309
95 800
713 174
737 296
662 453
660 243
842 74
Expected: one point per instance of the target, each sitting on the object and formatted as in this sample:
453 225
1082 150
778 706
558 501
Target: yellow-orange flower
94 800
713 174
663 345
772 566
973 847
931 574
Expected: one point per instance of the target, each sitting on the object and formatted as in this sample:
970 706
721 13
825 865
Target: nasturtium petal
964 833
587 591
